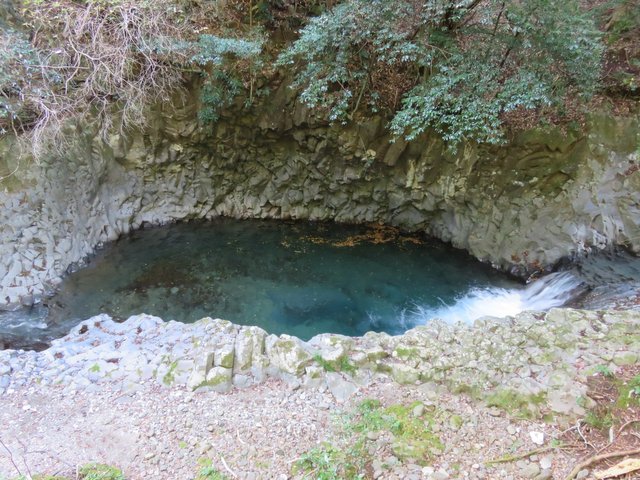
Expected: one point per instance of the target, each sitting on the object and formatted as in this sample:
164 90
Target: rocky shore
163 395
534 364
155 397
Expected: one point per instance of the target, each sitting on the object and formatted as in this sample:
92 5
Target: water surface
299 278
305 278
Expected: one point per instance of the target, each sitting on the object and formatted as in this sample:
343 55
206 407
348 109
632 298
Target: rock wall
521 207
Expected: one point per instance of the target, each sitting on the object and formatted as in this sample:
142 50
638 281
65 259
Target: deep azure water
299 278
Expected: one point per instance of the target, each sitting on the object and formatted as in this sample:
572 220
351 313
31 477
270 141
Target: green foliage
99 471
616 396
461 68
515 403
604 370
634 386
225 61
412 437
109 60
287 15
629 393
211 49
329 462
599 420
373 418
18 72
341 365
338 51
458 67
208 471
217 92
169 377
623 20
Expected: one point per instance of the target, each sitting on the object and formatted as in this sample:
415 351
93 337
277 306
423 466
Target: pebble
546 462
440 475
544 475
537 437
529 470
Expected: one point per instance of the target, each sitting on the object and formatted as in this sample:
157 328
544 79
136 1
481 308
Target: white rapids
553 290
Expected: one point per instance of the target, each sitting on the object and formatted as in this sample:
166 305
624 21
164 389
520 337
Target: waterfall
553 290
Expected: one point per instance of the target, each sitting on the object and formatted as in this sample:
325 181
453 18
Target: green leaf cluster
412 437
456 67
18 74
224 63
208 472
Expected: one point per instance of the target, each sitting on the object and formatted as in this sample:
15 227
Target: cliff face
521 207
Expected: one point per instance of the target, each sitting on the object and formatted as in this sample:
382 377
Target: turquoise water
298 278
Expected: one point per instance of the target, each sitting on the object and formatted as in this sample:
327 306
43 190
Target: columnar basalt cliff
522 207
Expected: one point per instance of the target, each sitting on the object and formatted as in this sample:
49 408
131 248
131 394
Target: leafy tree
457 67
224 78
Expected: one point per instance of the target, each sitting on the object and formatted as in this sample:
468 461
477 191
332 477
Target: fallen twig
231 472
11 458
520 456
623 467
586 442
630 422
596 458
239 439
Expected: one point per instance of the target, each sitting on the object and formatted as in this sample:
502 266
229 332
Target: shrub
455 67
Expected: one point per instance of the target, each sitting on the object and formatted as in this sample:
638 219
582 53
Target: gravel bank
256 433
155 397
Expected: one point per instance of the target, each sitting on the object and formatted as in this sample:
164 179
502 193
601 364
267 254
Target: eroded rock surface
531 364
521 207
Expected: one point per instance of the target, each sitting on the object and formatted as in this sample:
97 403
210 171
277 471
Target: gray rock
287 353
544 475
418 410
546 462
625 358
439 475
219 379
340 387
404 374
529 470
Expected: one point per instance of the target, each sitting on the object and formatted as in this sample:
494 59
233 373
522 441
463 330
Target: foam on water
553 290
17 320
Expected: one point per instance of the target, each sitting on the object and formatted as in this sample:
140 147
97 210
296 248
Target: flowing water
298 278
